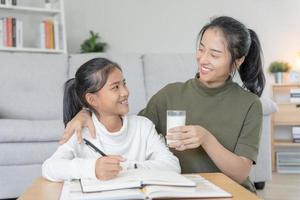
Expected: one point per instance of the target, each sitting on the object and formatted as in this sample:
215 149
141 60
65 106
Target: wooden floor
282 187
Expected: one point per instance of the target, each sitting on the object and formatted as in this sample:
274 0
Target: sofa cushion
132 67
76 60
28 131
26 153
268 105
161 69
31 85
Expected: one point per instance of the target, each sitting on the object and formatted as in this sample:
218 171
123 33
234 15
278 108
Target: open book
136 178
72 190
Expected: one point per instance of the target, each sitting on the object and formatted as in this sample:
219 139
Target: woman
223 119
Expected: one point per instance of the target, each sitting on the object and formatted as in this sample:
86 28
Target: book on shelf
49 35
11 32
295 95
143 184
296 129
297 140
288 162
1 33
296 134
19 33
8 2
14 33
56 34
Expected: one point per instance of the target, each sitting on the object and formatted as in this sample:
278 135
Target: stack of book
8 2
295 95
11 32
288 162
49 34
296 133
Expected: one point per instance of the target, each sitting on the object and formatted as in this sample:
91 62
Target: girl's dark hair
89 78
241 42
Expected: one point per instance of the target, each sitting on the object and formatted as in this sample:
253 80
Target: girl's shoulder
141 126
139 121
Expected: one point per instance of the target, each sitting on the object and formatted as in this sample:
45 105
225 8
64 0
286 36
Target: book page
135 178
72 191
124 180
160 177
204 189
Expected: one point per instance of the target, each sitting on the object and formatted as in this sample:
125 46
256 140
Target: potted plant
93 44
278 68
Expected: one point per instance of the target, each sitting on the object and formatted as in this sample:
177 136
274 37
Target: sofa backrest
31 85
162 69
132 67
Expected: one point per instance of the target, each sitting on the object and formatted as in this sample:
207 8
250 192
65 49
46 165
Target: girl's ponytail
71 102
251 71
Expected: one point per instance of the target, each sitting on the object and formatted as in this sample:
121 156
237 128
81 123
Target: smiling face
112 98
213 57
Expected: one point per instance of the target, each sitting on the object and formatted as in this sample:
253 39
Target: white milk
173 121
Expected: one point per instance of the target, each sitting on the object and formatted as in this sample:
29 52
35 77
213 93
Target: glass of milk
175 118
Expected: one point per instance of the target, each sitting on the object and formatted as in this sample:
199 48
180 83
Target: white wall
171 26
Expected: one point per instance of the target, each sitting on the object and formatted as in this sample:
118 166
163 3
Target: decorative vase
278 77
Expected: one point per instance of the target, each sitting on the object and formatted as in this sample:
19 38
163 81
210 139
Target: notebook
136 178
72 190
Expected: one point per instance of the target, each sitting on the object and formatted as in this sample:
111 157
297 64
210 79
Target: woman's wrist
208 140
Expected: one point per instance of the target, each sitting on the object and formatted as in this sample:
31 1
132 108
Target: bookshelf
42 26
288 115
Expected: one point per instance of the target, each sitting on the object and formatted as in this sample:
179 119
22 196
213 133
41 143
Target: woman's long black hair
89 78
241 42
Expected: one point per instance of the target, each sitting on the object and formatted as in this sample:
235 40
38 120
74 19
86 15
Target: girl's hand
187 137
108 167
82 119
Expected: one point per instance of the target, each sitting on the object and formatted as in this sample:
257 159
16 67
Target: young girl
128 141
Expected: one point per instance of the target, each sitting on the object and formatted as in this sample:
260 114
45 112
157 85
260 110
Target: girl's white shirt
137 141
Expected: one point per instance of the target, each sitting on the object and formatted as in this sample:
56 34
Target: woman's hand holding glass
187 137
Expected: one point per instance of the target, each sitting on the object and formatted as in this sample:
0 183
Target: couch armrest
268 106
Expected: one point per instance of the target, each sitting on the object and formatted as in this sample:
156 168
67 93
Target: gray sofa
31 107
